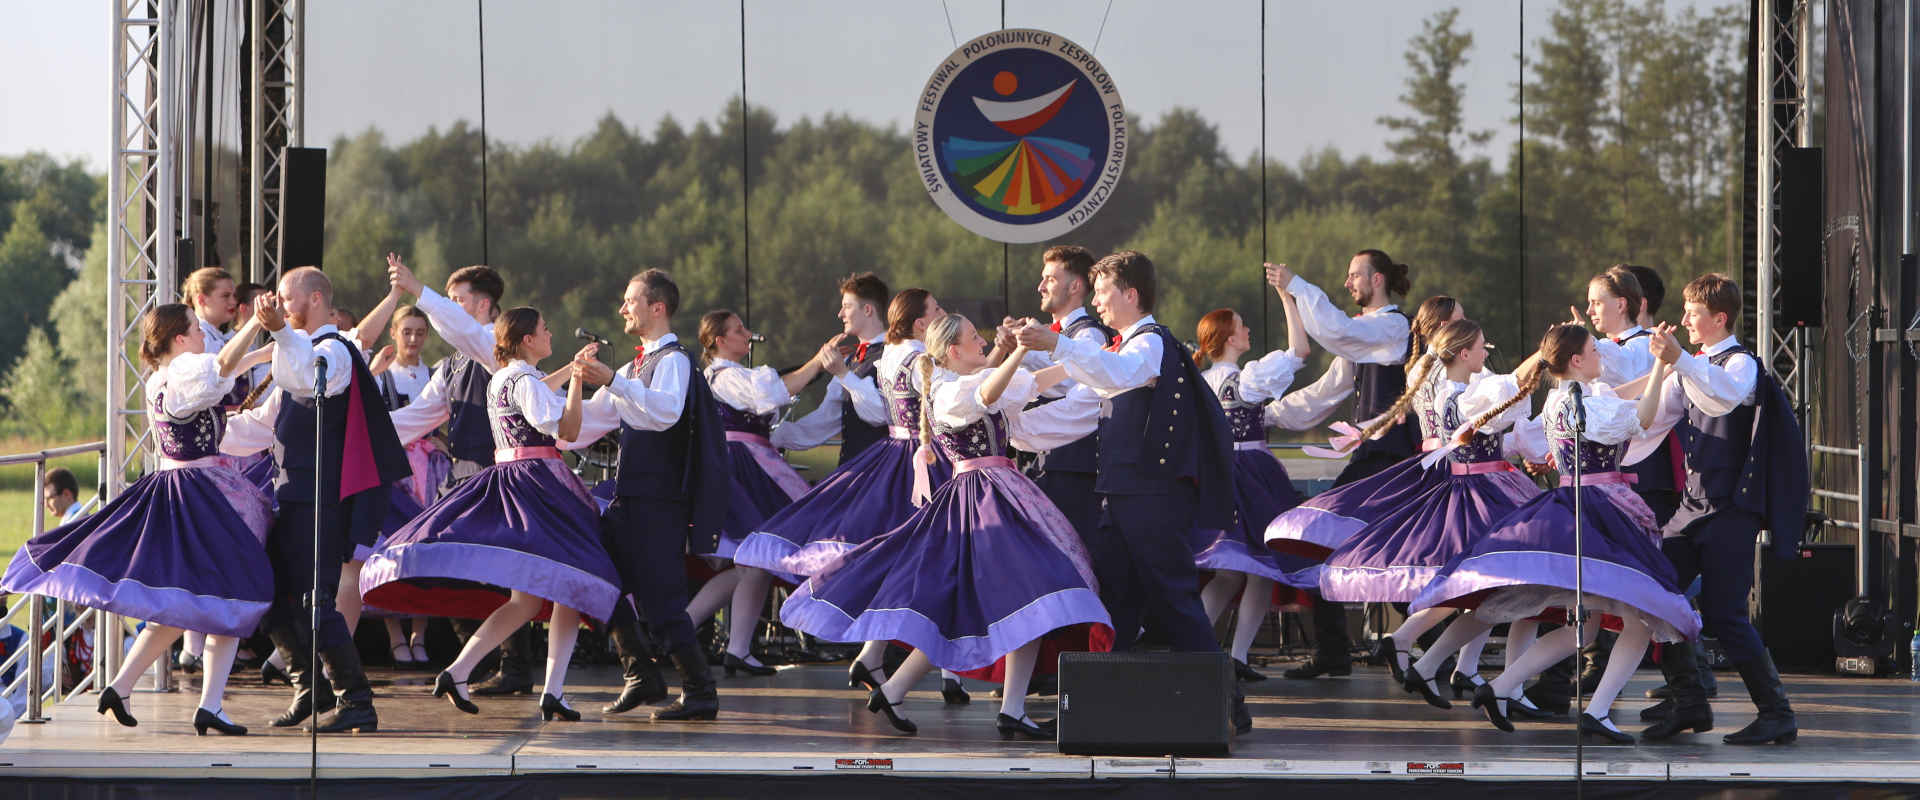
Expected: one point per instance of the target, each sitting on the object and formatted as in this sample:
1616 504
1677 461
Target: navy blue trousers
290 551
1145 566
647 539
1719 551
1072 493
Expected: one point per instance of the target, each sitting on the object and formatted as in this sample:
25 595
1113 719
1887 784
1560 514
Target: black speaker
1802 217
303 204
1146 704
1794 600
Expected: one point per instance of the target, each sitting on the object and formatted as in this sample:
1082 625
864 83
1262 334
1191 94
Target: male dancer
1369 351
673 487
1066 472
853 406
1164 461
355 464
1744 472
456 395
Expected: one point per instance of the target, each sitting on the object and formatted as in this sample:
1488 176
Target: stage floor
805 721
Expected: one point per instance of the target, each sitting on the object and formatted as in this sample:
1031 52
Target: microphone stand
313 600
1579 425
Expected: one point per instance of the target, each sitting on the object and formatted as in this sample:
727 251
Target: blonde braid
926 400
1400 406
253 397
1529 381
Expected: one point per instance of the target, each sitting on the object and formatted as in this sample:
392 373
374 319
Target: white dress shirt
191 383
1374 337
652 406
294 354
1623 360
1036 360
1109 373
539 404
1695 380
755 390
823 423
473 338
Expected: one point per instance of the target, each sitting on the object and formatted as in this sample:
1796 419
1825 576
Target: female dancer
1326 520
985 569
1397 555
1239 560
524 524
183 547
402 374
870 494
763 482
1525 564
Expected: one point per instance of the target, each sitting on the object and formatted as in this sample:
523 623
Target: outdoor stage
805 728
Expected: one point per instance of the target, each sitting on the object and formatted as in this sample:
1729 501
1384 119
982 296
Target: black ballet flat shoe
733 663
189 663
204 719
1385 650
1415 684
1465 685
111 700
1593 727
551 707
1247 674
270 675
953 693
1011 727
877 703
1485 700
445 686
859 677
1520 710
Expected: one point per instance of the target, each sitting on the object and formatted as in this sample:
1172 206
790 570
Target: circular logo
1020 135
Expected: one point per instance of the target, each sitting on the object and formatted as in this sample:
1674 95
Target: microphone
1579 409
755 338
589 336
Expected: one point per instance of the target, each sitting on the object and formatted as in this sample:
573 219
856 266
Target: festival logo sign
1020 136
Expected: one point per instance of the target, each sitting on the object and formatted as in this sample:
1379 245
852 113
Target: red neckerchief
1115 346
860 353
1055 327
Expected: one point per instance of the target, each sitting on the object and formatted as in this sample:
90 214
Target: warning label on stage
1436 768
863 763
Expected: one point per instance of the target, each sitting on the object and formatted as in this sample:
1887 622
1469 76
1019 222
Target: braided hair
1557 348
1437 311
941 337
1443 345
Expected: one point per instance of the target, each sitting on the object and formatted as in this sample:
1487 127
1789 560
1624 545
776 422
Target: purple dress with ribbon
1397 555
525 523
181 546
763 481
1327 520
986 566
863 498
1525 563
1261 491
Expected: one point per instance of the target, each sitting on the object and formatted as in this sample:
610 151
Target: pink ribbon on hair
1345 438
922 482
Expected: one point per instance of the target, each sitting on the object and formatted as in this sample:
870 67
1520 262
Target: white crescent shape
1006 110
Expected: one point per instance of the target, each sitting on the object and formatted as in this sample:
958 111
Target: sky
554 67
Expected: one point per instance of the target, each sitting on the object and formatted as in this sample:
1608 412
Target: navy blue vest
1375 389
653 463
855 433
1656 470
1716 452
293 437
1083 454
469 434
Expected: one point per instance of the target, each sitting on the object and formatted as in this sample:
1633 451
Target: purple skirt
1327 520
260 471
1399 554
862 499
1261 491
527 525
986 567
1533 547
181 547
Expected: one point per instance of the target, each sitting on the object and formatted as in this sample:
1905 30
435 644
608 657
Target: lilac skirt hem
1374 584
223 616
764 550
1233 556
1315 526
492 566
1543 568
1044 615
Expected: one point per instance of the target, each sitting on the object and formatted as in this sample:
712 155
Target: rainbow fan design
1027 175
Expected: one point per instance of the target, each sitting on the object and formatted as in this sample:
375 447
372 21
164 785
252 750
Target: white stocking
1219 592
346 597
909 673
1621 662
153 642
509 617
561 633
1417 624
217 665
1463 630
1468 663
1019 672
1545 652
712 595
195 643
749 597
874 656
1255 600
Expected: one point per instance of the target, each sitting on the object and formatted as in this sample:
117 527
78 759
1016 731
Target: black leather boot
312 694
1775 724
516 667
643 681
1687 707
698 699
355 712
